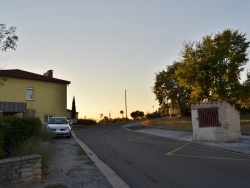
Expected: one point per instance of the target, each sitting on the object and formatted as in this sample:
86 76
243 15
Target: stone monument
215 121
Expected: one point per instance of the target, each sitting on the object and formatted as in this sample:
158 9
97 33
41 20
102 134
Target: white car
72 121
59 126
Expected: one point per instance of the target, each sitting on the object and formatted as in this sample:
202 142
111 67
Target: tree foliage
137 114
73 109
167 89
8 38
122 112
208 70
211 68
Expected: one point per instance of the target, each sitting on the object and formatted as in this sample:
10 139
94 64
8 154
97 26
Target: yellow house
29 94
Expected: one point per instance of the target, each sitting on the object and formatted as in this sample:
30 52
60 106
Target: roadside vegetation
25 136
245 124
185 123
86 122
40 145
83 123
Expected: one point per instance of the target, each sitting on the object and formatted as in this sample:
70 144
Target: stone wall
20 169
229 120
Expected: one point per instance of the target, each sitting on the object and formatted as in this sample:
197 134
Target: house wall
49 97
69 114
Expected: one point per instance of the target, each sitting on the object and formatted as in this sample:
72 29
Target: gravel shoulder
243 145
71 168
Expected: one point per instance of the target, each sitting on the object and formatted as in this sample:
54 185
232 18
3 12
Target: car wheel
68 137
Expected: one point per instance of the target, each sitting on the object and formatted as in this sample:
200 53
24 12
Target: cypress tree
73 109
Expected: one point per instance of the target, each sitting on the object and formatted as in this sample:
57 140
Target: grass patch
185 123
81 152
46 135
40 145
245 124
77 127
35 146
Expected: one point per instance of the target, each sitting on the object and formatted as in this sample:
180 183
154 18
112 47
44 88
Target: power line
97 92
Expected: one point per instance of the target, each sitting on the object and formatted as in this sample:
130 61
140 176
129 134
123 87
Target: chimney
49 73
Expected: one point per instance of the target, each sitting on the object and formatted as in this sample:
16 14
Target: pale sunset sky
106 46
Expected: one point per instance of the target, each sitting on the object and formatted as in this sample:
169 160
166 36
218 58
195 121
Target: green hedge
153 115
86 122
2 152
16 130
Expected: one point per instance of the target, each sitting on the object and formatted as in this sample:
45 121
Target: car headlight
67 129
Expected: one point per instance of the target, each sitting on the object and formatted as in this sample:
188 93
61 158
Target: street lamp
153 109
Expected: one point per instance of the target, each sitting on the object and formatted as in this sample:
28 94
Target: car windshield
58 121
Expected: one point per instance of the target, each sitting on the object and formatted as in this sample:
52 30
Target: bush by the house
16 130
2 153
33 146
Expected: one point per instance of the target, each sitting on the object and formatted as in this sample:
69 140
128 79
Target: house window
29 94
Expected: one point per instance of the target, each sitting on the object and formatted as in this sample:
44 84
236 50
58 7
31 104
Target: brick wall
229 120
20 169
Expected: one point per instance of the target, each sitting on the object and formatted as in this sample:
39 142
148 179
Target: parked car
72 121
59 126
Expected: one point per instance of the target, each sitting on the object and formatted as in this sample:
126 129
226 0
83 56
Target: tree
137 114
105 119
73 109
211 68
167 89
122 112
8 37
8 40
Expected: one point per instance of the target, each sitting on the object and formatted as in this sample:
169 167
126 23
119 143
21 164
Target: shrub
2 152
25 136
34 146
16 130
153 115
115 120
86 122
137 114
46 135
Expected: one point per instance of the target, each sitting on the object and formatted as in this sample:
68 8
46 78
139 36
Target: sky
104 47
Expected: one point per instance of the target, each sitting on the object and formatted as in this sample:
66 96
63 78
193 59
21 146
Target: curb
108 173
124 127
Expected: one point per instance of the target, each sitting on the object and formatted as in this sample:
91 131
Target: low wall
20 169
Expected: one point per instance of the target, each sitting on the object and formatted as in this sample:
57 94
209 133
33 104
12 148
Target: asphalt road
148 161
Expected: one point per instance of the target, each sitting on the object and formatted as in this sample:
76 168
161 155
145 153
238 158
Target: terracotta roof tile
16 73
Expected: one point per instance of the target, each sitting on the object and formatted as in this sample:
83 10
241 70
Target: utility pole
126 104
